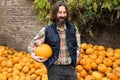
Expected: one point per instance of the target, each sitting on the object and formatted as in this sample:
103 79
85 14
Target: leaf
91 33
116 2
95 6
118 14
89 2
108 6
36 1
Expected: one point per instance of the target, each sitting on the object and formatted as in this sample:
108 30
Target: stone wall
18 24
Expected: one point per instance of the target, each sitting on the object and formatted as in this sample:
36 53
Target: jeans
62 72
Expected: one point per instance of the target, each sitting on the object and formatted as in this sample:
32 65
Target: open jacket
52 38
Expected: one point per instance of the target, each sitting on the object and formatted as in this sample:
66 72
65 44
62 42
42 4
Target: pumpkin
116 55
38 78
115 64
83 61
83 73
33 76
79 68
87 66
109 69
102 67
111 76
93 56
90 45
105 78
101 53
94 65
98 60
117 61
44 50
78 76
112 58
95 47
84 45
3 63
97 75
117 71
45 77
9 63
101 48
107 62
25 69
38 71
89 50
89 77
109 52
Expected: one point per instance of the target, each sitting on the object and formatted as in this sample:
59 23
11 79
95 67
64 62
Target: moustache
62 18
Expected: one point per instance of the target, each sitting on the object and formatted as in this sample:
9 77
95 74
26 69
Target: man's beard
61 21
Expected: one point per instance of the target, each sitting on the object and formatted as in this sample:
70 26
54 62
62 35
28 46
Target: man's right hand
38 58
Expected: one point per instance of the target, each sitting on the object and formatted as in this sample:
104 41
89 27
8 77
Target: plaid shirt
64 57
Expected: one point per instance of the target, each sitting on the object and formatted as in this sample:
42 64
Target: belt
69 65
62 64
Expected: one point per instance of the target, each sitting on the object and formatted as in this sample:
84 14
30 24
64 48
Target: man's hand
38 59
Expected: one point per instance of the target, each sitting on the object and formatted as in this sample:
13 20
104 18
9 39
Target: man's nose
63 15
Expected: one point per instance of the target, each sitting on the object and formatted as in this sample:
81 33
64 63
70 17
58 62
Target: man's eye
64 12
59 12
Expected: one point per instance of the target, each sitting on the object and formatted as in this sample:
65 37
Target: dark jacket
52 38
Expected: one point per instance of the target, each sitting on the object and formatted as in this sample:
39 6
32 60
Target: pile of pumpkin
16 65
96 63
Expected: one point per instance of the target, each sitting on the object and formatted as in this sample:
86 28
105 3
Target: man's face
61 15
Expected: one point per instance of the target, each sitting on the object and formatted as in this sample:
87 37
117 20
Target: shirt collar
63 29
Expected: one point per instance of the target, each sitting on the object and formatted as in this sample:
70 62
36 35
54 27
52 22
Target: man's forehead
61 8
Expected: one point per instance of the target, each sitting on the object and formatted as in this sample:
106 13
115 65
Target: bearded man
64 39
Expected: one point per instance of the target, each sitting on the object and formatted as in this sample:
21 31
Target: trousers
62 72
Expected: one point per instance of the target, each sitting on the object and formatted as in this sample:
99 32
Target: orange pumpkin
78 76
98 60
94 65
116 55
84 45
83 61
83 73
2 77
44 50
89 77
25 69
112 76
79 68
117 71
9 63
102 67
112 58
93 56
101 48
105 78
90 50
109 52
87 66
109 69
107 62
45 77
97 75
38 78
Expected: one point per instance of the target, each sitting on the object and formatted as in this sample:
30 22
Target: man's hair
56 8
